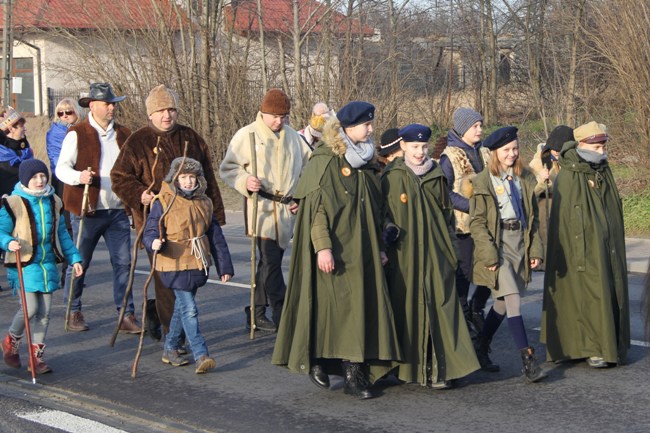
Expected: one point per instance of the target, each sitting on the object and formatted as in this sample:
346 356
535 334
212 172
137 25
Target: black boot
319 377
482 347
532 371
356 383
261 322
478 319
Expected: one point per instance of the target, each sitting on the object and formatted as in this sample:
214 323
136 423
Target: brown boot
40 367
130 325
76 322
10 350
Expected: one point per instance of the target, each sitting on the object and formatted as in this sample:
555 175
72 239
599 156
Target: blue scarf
517 202
8 155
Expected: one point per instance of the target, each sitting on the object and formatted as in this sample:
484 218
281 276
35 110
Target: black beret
415 132
390 141
500 137
355 113
558 136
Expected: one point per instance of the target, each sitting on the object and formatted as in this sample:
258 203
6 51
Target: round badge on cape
500 189
346 171
403 197
591 183
155 150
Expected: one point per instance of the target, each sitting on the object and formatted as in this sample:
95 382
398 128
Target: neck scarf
422 169
516 200
592 157
38 192
8 155
358 154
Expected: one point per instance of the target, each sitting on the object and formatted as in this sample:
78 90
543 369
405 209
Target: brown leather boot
10 354
40 367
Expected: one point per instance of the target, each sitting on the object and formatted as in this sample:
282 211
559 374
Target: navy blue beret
355 113
500 137
415 132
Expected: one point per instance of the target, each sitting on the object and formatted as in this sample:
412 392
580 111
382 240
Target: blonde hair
69 103
495 166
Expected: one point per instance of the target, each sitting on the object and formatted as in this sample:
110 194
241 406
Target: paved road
247 394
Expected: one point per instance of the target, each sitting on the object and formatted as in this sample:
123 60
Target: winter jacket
54 140
188 221
485 226
586 308
40 273
280 162
132 172
459 162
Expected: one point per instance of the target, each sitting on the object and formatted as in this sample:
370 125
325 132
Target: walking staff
251 137
23 300
84 205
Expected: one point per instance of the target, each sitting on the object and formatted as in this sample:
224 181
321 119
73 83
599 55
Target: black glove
390 234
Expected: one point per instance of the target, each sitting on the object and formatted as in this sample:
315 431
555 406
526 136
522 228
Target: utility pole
7 51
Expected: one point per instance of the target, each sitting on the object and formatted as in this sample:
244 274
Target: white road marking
67 422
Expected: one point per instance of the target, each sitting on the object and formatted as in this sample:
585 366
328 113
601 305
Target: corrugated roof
91 14
277 16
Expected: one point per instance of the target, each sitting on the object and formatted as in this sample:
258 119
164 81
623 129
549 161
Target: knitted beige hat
160 98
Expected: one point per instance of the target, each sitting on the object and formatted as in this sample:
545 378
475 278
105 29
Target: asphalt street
248 394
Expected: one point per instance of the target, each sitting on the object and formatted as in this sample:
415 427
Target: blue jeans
186 318
113 225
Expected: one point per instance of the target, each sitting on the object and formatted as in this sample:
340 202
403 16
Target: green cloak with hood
586 305
345 314
421 274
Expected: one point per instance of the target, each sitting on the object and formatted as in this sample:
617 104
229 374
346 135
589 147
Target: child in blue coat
30 221
185 239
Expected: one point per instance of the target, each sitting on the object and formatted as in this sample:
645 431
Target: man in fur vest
145 159
88 153
281 156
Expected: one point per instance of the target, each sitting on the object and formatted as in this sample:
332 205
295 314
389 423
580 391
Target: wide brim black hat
100 92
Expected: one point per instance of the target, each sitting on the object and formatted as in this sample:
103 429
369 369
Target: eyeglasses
66 112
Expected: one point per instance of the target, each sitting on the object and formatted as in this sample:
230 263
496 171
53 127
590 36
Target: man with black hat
281 155
88 153
463 159
136 183
337 311
586 312
545 167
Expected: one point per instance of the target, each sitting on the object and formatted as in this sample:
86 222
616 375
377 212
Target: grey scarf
358 154
591 156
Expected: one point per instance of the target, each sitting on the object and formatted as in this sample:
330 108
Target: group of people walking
383 255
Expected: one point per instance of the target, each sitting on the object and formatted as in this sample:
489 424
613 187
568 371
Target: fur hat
356 113
389 142
189 166
591 133
464 118
276 102
558 136
10 118
500 137
28 169
160 97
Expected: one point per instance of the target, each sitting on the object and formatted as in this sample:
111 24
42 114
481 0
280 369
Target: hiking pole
84 204
134 369
23 299
251 136
134 253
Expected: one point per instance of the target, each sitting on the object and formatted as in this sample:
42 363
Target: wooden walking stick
251 137
134 255
134 369
84 205
23 299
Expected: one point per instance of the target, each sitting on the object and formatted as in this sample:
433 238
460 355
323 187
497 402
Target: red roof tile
277 16
90 14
